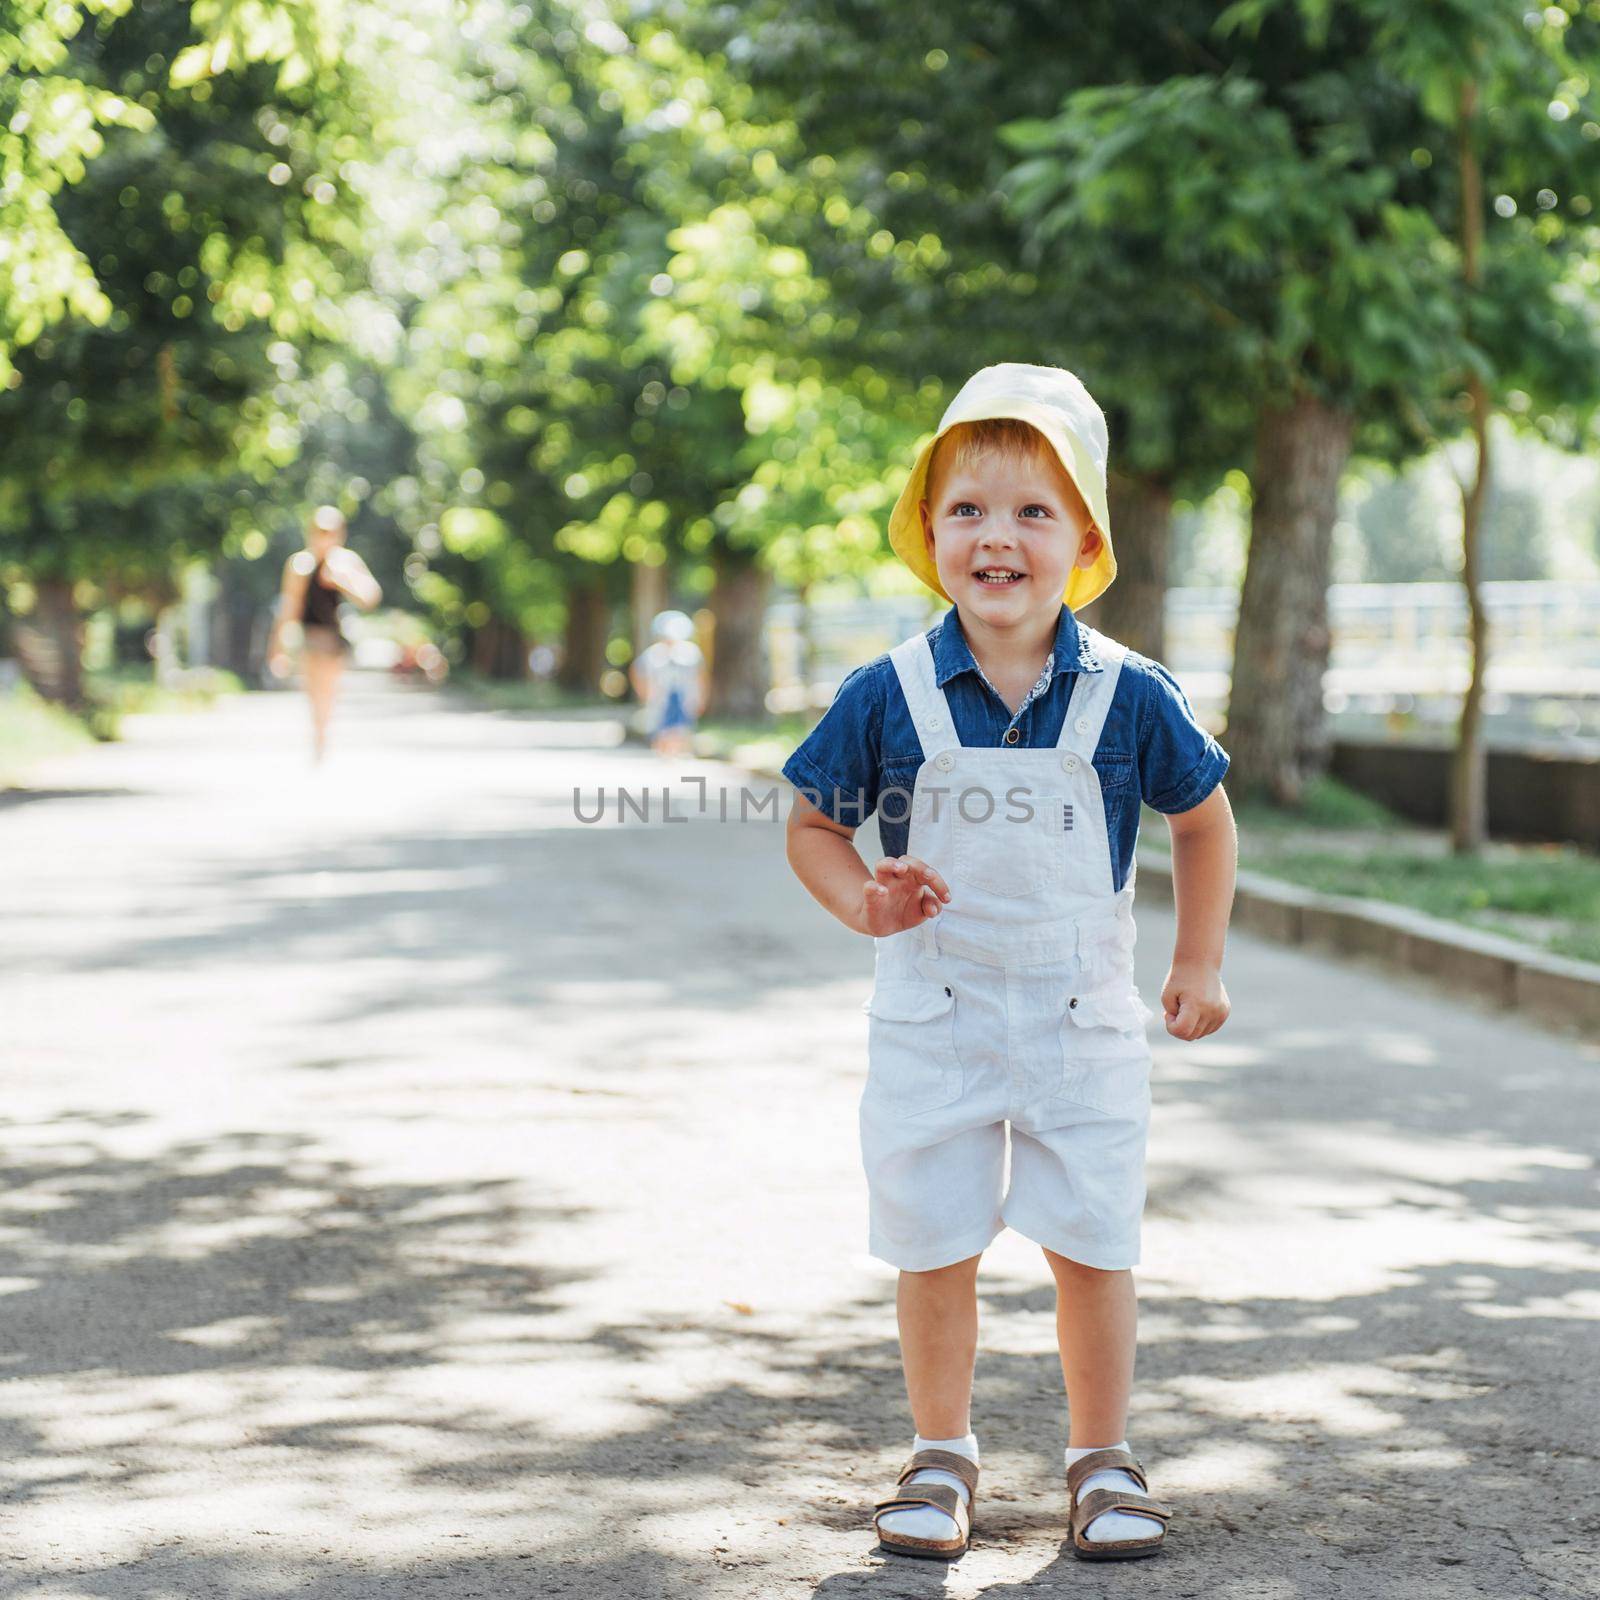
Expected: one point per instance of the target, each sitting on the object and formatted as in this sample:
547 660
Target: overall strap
930 710
1091 697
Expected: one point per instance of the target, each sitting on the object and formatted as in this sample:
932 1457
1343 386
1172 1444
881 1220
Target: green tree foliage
51 125
214 278
573 296
1312 233
930 257
624 226
222 226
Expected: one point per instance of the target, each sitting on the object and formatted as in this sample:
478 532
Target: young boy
1007 751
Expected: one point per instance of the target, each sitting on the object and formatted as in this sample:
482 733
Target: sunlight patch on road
1219 1466
1342 1398
229 1333
1581 1305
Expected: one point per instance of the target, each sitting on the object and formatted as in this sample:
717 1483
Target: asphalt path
414 1188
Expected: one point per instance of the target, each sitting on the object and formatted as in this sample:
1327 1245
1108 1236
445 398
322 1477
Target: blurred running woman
669 676
316 581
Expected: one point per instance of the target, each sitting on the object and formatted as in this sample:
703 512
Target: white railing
1398 646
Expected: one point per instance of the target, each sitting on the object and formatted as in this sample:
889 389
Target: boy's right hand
901 893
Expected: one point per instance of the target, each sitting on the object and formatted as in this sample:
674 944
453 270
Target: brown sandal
1084 1511
941 1496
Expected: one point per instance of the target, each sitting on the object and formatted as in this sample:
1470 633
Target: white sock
1112 1525
929 1522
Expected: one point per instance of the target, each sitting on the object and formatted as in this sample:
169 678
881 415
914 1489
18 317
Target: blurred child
669 678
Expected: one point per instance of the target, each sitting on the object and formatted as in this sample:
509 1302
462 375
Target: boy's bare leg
1097 1319
938 1314
939 1345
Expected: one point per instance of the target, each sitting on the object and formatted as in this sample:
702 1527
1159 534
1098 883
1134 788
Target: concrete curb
1549 989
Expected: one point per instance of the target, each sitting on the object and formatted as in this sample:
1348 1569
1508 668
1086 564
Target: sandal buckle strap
942 1461
941 1496
1105 1461
1098 1501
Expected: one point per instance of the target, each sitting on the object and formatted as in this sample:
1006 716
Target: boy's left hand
1194 1000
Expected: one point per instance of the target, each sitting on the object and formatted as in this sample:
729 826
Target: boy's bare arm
1205 857
899 893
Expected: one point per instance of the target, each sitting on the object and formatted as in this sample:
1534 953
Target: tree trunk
233 622
805 633
1133 609
514 663
647 596
740 675
583 655
498 650
1277 731
50 644
164 644
1469 820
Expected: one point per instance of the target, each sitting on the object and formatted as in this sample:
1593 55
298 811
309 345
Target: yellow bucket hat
1057 404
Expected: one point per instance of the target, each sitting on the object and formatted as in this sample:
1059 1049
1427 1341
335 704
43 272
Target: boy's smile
1004 534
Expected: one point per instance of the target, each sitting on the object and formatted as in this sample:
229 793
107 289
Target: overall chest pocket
1010 843
1105 1057
912 1063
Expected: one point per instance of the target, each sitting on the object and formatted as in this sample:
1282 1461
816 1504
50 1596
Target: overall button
1082 724
944 762
1069 763
935 722
1011 736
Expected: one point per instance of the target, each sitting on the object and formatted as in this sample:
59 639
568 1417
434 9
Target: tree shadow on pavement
241 1264
13 797
1368 1307
520 913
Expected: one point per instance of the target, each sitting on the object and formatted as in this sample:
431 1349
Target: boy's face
1005 534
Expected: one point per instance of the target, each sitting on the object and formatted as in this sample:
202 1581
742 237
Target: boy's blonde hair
1011 439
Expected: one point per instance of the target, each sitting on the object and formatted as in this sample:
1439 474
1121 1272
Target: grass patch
499 694
133 691
753 742
1545 895
1327 803
32 730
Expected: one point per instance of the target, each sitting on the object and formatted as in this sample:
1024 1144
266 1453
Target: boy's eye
967 505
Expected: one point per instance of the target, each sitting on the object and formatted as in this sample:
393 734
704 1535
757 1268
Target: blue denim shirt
1151 747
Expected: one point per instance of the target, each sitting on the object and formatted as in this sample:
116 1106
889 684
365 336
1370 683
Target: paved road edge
1547 988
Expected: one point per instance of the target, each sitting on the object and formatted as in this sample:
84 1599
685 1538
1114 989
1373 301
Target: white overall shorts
1014 1005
